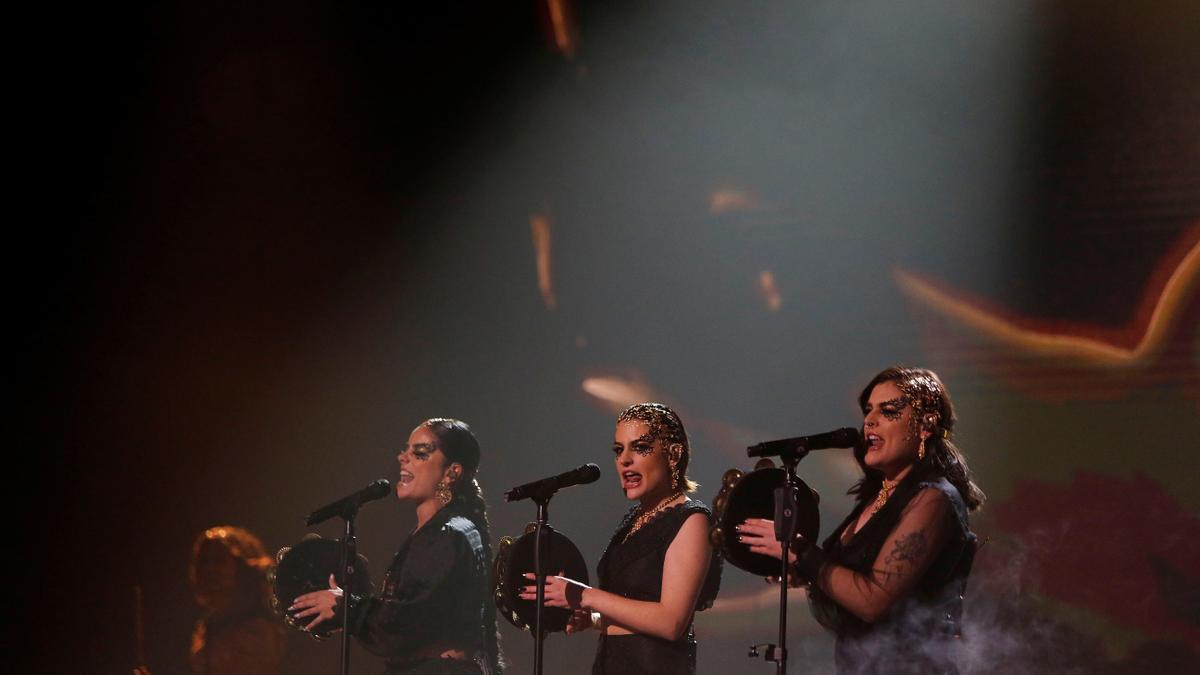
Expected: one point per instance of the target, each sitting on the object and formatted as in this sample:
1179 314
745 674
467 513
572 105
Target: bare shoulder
693 532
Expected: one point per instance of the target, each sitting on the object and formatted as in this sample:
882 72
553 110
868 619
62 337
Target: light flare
724 200
540 225
1162 301
770 291
561 27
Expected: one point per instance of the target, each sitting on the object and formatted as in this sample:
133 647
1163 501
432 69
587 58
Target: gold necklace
645 516
885 491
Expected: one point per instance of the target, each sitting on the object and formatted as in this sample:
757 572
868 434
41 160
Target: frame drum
305 568
514 558
752 495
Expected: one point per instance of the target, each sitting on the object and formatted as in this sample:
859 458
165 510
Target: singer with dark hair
643 613
889 580
435 614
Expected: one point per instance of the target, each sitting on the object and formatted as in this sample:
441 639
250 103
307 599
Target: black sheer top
919 633
434 595
633 568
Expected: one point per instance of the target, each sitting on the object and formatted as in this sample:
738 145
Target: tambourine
305 568
514 558
752 495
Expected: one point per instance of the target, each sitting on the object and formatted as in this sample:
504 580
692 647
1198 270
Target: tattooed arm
908 551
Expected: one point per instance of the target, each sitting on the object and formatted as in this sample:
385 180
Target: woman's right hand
319 604
559 592
759 535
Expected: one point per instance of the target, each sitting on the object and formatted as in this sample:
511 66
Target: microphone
349 504
544 488
838 438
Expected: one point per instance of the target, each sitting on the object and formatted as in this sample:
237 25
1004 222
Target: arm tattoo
909 549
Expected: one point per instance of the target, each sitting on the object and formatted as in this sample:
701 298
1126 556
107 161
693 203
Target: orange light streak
540 223
560 21
1151 327
731 200
617 393
770 291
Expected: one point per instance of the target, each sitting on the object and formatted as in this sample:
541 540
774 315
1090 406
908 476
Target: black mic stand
349 558
785 532
542 499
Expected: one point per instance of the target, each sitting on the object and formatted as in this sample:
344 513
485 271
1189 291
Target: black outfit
434 598
633 569
920 632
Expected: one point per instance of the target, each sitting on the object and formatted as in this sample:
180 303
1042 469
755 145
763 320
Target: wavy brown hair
934 412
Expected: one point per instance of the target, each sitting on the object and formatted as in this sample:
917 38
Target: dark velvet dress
921 632
434 598
634 569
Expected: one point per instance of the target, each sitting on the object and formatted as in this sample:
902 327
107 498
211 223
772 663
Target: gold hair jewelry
443 494
885 491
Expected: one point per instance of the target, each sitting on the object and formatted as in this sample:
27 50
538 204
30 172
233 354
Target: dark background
278 237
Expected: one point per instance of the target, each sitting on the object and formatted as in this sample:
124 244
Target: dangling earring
921 450
676 477
442 492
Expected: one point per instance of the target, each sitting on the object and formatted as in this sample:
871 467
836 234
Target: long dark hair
934 412
459 444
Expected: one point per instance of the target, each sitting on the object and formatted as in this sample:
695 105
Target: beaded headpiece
664 424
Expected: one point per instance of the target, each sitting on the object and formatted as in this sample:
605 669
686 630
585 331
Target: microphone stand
542 499
539 636
346 568
785 531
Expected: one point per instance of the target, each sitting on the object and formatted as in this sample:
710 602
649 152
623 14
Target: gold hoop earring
921 449
443 494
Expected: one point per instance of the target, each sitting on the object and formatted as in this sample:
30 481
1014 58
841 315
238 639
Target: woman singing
435 614
889 581
644 614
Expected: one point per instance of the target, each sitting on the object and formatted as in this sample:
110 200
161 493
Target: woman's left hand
759 535
320 604
560 592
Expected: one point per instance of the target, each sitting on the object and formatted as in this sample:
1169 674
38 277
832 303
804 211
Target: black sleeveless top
920 632
633 569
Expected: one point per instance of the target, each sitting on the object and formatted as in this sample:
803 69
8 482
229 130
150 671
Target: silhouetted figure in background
240 635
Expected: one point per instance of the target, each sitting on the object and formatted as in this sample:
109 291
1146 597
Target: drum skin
752 495
514 558
305 568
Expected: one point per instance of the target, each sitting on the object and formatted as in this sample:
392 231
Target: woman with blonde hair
644 614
